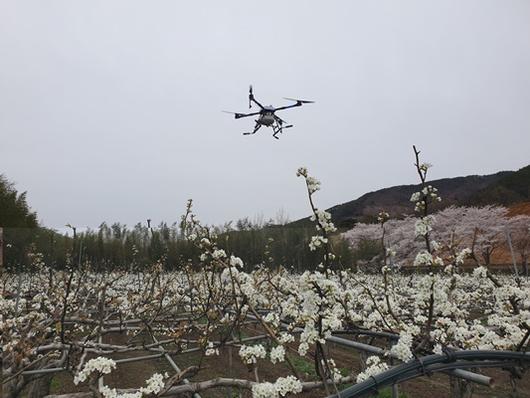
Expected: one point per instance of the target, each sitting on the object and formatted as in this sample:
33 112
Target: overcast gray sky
111 110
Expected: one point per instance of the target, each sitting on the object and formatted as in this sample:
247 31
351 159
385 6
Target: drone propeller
299 100
250 97
236 114
239 115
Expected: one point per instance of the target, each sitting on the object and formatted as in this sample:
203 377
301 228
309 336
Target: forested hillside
502 188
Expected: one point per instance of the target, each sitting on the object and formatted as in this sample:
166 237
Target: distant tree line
257 242
117 246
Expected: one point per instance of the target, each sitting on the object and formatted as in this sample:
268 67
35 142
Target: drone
267 116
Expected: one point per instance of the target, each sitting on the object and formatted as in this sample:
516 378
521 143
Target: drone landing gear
279 129
256 128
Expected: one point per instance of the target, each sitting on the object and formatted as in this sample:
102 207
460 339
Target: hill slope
504 188
512 188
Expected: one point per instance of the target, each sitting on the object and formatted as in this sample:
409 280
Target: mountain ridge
502 188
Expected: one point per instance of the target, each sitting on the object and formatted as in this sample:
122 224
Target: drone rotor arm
238 115
298 103
281 108
252 99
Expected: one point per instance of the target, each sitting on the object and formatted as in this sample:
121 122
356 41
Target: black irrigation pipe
445 367
433 363
460 373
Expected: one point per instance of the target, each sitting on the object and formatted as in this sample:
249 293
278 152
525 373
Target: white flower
401 349
289 384
250 354
303 348
423 258
375 366
323 219
383 216
264 390
424 225
211 350
277 354
480 272
460 257
286 338
218 253
425 166
236 261
101 365
438 261
316 242
313 184
302 171
154 384
391 252
282 387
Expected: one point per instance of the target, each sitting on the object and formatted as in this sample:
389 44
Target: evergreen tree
19 223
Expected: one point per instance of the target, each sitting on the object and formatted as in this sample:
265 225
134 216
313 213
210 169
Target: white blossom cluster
382 216
312 183
323 220
401 349
236 262
424 225
425 166
218 254
426 258
316 242
101 365
462 255
421 198
280 388
374 367
211 350
277 354
155 384
251 354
